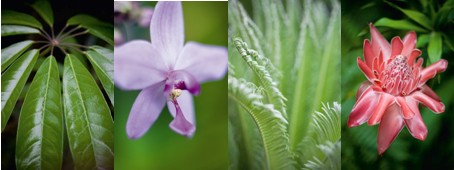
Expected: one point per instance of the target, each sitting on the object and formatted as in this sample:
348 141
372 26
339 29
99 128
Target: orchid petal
137 65
145 110
184 123
432 70
409 43
390 126
368 53
187 81
384 101
379 43
415 125
204 62
396 46
363 108
167 30
432 104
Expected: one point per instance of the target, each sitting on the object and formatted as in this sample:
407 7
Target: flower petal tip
186 131
421 136
132 134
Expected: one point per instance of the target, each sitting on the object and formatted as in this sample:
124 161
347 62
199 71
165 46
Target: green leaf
8 30
399 24
39 143
422 40
102 61
18 18
271 124
13 80
415 16
314 80
435 47
89 124
44 10
95 27
10 53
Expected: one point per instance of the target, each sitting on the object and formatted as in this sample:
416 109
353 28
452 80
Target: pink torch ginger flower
167 71
394 88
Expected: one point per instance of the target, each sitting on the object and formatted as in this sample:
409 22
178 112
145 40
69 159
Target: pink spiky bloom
394 88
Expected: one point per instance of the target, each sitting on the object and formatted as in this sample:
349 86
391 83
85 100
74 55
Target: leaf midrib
84 108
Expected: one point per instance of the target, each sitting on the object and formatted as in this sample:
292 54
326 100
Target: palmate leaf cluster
283 65
68 94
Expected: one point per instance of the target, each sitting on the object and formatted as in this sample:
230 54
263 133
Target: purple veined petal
390 126
184 123
204 62
138 65
167 30
146 109
184 81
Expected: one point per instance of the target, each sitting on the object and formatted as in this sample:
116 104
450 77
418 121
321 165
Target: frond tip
260 65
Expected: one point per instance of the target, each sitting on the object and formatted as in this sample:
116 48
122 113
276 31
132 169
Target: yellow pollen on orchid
175 93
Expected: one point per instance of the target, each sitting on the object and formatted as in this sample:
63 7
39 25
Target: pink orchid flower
394 88
167 71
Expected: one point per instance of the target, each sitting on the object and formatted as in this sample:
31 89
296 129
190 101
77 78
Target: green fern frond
271 124
231 70
323 129
261 71
325 125
331 160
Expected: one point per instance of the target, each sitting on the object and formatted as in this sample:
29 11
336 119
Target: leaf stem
73 44
73 35
43 47
61 31
69 32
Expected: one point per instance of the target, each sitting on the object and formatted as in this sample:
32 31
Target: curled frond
271 124
260 66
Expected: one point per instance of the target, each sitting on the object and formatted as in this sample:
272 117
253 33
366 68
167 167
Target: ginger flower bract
167 71
394 88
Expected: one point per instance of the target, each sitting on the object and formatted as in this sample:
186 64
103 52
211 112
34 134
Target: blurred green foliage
284 63
160 147
359 147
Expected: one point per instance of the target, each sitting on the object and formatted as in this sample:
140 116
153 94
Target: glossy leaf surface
18 18
89 124
13 80
9 54
95 27
44 10
102 61
399 24
435 47
39 143
8 30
